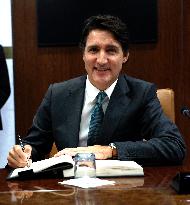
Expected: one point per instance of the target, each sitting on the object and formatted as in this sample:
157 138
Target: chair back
166 98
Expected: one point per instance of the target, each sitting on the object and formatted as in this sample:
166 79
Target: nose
102 58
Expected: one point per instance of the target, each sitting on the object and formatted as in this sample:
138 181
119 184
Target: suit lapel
75 101
119 100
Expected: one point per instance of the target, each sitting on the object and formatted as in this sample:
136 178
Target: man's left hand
101 152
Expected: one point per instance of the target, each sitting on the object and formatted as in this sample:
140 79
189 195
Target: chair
166 98
53 151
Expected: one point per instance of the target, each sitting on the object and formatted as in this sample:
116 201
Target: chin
102 83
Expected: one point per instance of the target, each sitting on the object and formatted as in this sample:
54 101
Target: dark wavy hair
108 23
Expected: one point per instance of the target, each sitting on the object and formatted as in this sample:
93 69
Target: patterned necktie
96 119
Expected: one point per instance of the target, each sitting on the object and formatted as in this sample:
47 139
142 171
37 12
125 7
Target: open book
63 166
47 168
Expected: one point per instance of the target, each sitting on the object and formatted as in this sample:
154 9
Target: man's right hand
18 158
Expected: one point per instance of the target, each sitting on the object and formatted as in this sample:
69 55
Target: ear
126 57
83 57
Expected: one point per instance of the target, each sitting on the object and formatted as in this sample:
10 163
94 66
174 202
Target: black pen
23 149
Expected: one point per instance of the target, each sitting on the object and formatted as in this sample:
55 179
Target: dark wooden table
153 188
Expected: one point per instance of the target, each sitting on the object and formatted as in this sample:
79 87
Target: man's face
103 57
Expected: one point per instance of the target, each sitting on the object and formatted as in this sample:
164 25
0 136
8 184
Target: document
112 168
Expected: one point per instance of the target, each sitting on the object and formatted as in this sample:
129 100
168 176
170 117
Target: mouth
101 69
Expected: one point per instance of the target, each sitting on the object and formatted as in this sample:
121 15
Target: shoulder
135 84
71 83
137 87
68 85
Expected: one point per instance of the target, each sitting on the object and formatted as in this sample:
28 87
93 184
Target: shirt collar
91 91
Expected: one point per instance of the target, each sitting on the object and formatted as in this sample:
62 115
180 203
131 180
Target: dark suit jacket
4 82
133 114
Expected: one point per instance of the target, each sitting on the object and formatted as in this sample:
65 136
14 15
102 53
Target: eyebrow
107 46
113 46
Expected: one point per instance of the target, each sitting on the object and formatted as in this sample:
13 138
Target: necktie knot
100 97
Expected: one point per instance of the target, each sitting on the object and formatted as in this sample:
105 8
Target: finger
100 155
74 151
59 153
71 152
97 146
11 162
18 153
68 151
78 149
81 149
28 150
16 157
14 163
104 154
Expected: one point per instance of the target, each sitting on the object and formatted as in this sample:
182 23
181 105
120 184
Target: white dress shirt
89 101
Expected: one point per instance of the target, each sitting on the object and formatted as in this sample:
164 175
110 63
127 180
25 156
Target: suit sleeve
162 144
40 134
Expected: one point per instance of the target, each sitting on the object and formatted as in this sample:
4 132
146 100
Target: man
4 82
133 123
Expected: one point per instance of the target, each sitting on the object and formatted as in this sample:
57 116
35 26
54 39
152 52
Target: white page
109 168
43 164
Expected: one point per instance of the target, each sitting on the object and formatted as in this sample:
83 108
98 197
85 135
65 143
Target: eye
112 50
93 49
